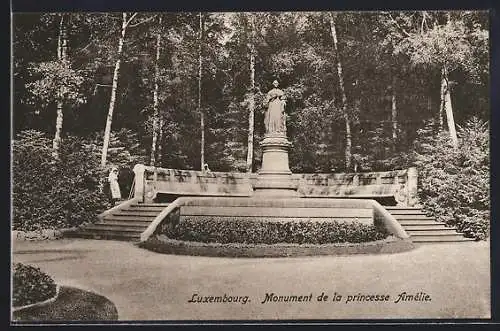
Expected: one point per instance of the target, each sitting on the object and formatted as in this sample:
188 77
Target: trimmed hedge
214 230
164 245
31 285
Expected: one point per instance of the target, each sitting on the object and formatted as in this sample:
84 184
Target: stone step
126 236
440 239
114 228
321 212
128 218
143 224
141 207
401 208
413 217
128 212
406 212
419 227
444 233
146 205
405 223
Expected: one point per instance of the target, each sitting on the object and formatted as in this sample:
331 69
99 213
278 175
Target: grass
72 304
145 285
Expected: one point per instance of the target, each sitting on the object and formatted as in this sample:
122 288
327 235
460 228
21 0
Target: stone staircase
124 223
424 229
127 223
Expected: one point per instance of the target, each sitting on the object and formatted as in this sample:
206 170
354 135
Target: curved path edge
41 303
161 244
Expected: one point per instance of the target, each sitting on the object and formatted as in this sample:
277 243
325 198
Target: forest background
367 91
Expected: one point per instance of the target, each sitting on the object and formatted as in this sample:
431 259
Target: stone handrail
390 223
161 216
400 184
152 180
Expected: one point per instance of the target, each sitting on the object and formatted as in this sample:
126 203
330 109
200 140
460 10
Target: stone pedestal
275 178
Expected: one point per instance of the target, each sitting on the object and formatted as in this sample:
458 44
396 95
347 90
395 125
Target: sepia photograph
250 166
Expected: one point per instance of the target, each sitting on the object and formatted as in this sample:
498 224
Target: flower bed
213 236
165 245
31 285
215 230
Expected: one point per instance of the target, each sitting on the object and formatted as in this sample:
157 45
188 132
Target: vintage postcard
250 166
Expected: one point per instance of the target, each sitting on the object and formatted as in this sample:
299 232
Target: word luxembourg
218 299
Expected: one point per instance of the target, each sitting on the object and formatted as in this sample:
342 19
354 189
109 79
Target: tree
112 100
394 112
57 82
389 89
251 103
62 56
126 22
443 42
200 111
348 141
155 96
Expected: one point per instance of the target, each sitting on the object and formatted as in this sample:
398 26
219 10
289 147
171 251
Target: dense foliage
30 285
359 85
49 194
387 58
267 232
454 184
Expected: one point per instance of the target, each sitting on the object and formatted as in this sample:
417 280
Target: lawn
144 285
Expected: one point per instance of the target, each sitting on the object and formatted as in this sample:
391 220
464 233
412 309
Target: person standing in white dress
114 186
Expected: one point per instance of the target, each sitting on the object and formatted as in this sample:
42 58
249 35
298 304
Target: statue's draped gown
274 116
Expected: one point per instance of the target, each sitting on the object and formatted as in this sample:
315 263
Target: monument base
275 178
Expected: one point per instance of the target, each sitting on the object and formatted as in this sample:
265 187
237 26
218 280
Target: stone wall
150 180
399 184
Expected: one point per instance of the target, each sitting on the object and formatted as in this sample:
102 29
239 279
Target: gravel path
454 277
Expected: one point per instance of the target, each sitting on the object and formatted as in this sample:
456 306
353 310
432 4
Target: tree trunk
155 96
441 102
62 56
394 114
448 108
251 104
202 115
160 141
348 145
107 131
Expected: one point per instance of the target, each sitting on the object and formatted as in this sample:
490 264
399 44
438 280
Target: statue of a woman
274 117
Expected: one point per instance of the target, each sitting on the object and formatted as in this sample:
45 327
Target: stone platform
278 209
268 209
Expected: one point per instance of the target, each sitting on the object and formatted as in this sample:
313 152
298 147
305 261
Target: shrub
30 285
49 194
454 183
216 230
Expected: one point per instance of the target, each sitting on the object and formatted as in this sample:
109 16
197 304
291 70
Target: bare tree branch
93 40
399 26
143 21
423 22
130 19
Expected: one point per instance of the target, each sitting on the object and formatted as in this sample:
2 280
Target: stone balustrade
399 184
